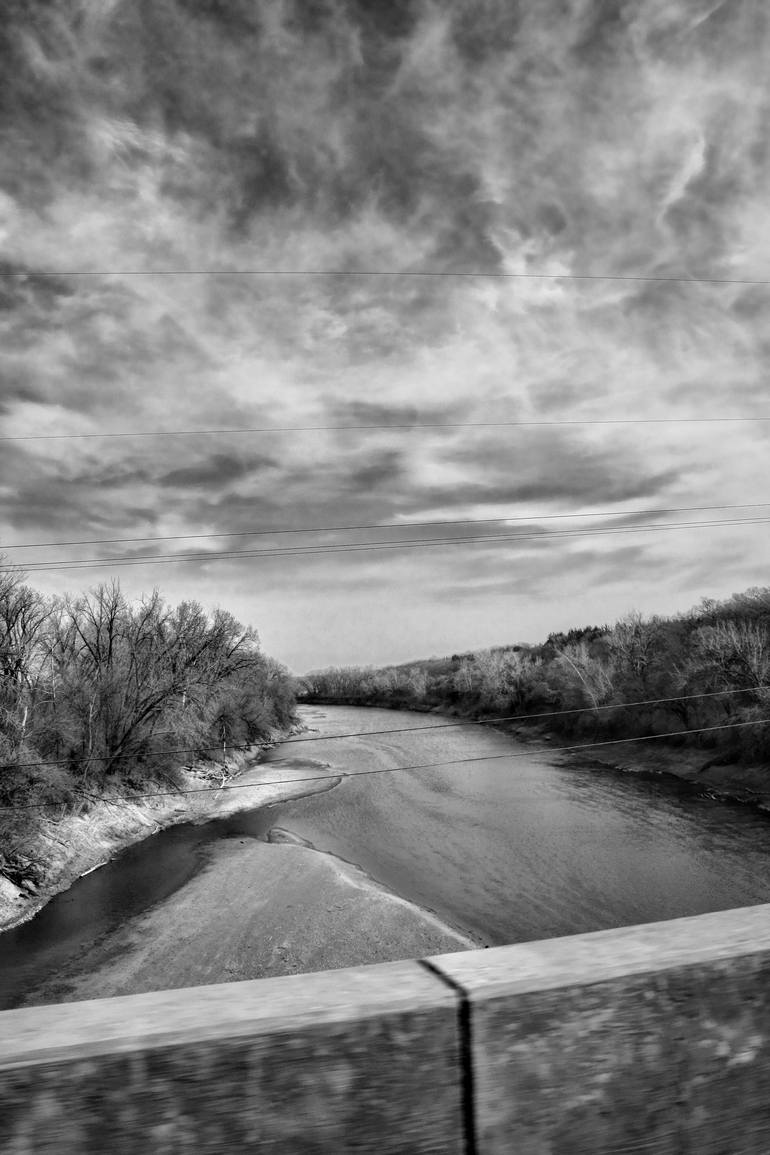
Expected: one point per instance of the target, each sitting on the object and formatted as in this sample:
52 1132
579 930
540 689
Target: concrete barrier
651 1038
363 1060
644 1039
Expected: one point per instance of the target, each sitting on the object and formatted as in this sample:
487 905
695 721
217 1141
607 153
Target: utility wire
410 425
362 547
428 273
381 525
196 751
337 773
401 730
528 717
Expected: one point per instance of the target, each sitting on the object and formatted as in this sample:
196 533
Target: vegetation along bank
702 676
106 704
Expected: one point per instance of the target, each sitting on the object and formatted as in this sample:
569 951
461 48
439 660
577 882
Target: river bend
493 837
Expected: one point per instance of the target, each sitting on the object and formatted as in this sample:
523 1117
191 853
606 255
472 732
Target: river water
492 836
516 848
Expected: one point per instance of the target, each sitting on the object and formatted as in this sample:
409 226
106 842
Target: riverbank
721 780
64 850
254 910
480 848
709 772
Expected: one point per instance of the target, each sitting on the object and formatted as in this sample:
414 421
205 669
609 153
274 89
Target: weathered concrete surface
358 1060
653 1038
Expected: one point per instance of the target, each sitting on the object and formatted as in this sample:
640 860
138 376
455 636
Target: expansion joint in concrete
466 1055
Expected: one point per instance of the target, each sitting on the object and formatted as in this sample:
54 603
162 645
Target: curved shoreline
79 844
734 784
357 876
737 783
254 909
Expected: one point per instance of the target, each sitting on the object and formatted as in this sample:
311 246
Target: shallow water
515 848
507 849
140 877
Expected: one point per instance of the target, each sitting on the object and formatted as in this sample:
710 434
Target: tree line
588 679
98 691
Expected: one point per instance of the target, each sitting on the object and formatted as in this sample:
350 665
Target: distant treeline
94 689
717 646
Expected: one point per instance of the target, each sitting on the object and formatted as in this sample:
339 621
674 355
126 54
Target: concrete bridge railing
652 1038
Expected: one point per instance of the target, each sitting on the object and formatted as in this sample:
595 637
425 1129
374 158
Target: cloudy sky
220 214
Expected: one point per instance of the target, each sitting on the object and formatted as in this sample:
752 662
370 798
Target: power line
373 733
408 544
528 717
401 426
382 525
427 273
362 547
337 773
196 751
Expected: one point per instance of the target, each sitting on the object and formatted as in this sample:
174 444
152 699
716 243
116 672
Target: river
516 848
494 837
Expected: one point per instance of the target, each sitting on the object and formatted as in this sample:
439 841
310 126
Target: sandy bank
255 910
69 848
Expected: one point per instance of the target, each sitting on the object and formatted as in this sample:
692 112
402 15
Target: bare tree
23 616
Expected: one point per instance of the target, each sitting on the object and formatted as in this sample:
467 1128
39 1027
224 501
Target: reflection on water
508 850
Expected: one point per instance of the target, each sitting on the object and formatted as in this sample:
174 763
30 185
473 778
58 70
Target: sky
379 236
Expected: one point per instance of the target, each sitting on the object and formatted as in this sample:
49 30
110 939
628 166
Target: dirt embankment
60 851
711 773
715 777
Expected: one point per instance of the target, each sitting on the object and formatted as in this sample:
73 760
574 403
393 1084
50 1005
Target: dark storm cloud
14 391
588 483
51 509
752 302
45 498
121 476
87 495
549 465
545 563
480 27
385 79
24 288
359 490
255 136
216 471
386 469
362 413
